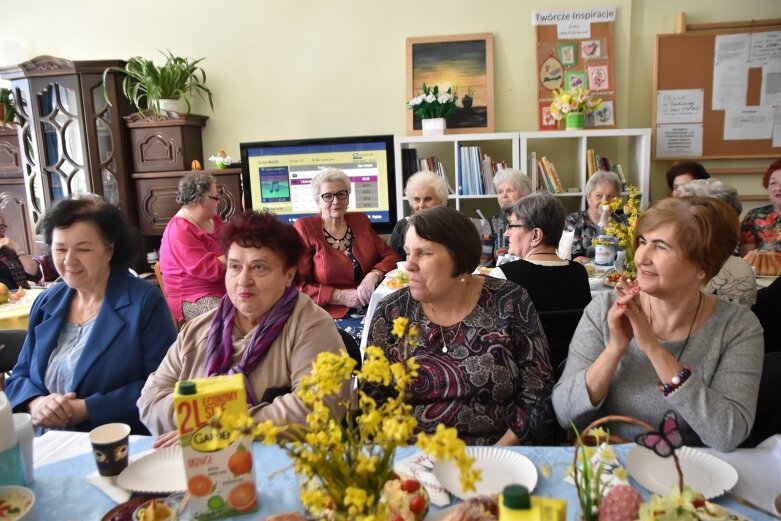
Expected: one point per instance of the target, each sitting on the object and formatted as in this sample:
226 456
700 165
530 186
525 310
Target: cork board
588 60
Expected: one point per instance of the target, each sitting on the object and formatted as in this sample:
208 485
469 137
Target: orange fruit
199 485
243 497
240 462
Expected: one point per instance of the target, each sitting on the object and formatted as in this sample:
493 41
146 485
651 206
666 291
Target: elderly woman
483 357
761 227
735 281
424 190
264 328
682 173
660 344
601 188
510 186
17 268
344 259
92 340
191 258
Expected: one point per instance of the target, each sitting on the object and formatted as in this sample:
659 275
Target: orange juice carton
220 475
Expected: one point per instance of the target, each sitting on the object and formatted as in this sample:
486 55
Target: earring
463 279
700 275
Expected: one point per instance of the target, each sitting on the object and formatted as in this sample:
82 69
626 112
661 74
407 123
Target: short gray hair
194 188
516 178
712 188
426 179
541 210
602 176
329 175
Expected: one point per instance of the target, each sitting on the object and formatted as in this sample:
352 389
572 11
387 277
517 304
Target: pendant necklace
197 223
691 326
442 328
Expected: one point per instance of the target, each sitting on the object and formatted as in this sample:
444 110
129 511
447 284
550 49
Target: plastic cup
23 424
110 446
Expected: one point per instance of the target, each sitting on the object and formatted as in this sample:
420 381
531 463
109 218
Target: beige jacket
308 331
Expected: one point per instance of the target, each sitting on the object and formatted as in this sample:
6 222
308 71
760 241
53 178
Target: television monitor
277 176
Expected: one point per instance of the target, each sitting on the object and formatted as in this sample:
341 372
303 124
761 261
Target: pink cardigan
189 263
323 268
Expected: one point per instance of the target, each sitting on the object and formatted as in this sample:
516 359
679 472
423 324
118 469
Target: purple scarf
220 345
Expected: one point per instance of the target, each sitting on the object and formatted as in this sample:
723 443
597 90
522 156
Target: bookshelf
567 149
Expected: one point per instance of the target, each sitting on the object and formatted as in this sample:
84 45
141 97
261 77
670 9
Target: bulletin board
685 61
566 63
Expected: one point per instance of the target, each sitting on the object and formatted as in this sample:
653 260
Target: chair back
11 342
559 326
352 347
159 276
767 420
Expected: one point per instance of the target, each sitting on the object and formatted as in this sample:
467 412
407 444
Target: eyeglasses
341 195
213 197
3 227
516 226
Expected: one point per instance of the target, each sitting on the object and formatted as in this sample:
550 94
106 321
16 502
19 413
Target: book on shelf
591 162
620 173
409 163
550 175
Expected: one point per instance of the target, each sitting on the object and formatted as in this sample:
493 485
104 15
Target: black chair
352 347
559 326
767 421
11 342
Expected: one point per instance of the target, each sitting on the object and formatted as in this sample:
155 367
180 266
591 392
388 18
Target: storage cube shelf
568 150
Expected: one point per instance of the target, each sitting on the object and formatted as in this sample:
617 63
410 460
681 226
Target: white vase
433 126
174 105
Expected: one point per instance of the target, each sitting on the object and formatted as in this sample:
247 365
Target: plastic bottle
515 504
604 220
11 461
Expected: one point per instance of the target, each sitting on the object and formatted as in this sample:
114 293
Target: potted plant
145 84
572 105
7 111
468 98
432 107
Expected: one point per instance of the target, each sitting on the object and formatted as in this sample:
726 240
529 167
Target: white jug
11 462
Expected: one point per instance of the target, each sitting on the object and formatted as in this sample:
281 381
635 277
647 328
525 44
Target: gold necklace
197 223
442 327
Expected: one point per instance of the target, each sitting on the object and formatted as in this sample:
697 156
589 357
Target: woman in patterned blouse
761 228
484 363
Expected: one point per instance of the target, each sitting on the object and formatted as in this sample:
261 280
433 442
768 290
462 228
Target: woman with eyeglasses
192 259
16 265
344 259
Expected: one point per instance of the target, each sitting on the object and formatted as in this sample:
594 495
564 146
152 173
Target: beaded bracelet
676 382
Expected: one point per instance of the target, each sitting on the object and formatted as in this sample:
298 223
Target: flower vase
576 121
433 126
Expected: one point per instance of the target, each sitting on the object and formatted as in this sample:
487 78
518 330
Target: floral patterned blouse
585 230
488 373
762 228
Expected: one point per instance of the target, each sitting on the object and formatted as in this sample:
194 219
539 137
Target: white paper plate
159 472
392 273
442 514
703 472
500 467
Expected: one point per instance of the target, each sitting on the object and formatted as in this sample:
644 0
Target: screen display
278 176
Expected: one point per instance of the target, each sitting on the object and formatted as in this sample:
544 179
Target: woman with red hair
263 328
761 227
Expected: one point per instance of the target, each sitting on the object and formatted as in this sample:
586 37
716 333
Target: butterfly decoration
666 440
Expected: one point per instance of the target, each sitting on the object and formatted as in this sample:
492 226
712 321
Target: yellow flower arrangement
576 99
347 463
591 464
625 233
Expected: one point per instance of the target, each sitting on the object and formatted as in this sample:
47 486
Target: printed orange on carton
220 475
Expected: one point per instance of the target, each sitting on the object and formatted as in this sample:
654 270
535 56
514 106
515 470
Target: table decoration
344 464
624 233
432 107
572 105
222 160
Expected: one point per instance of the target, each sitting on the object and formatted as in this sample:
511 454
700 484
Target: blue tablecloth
62 493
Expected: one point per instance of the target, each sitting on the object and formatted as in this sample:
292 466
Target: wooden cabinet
164 143
157 197
71 137
13 197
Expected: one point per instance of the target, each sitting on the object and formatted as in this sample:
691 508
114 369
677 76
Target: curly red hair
775 165
251 229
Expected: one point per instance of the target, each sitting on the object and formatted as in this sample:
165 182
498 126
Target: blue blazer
131 335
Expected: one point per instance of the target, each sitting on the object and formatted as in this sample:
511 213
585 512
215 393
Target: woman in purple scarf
264 328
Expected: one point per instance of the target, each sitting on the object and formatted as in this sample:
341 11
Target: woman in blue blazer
92 340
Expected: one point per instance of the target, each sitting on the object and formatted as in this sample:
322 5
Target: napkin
108 485
565 245
420 467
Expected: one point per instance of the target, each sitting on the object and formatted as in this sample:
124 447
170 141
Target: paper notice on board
679 140
741 123
679 106
730 85
732 47
765 48
771 85
777 128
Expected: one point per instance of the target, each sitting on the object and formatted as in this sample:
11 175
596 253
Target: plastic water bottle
11 461
604 220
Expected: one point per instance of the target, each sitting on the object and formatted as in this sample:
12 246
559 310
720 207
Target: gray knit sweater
715 406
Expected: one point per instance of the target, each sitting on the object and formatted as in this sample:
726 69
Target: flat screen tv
277 176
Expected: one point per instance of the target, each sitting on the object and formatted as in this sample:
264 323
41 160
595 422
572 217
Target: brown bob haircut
448 227
706 228
775 165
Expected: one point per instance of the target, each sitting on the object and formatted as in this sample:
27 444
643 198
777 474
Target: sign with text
679 106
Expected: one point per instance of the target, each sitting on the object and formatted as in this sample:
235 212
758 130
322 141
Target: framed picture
591 49
575 79
464 62
568 54
598 78
547 121
603 116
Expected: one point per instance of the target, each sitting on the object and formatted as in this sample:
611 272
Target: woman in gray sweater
659 343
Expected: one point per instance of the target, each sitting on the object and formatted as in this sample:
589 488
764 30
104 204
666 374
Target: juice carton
220 476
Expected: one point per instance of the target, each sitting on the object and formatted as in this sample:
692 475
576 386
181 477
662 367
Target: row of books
411 163
594 163
550 178
476 171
